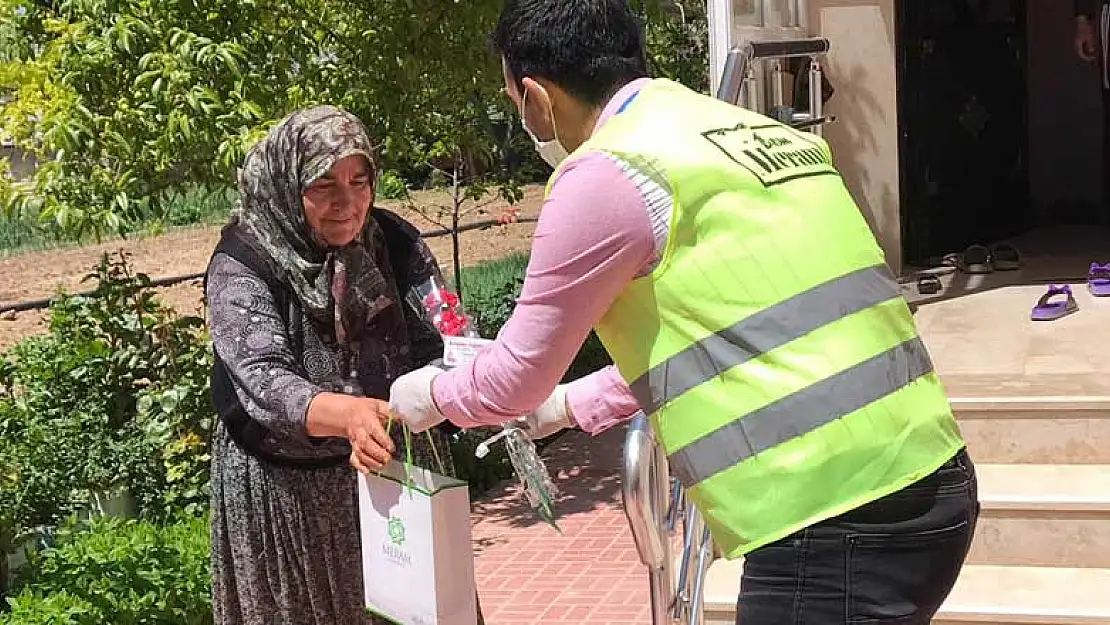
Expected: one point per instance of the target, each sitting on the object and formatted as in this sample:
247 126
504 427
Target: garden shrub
116 394
391 186
123 572
60 608
182 206
189 206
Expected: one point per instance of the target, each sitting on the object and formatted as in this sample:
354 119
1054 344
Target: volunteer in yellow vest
748 310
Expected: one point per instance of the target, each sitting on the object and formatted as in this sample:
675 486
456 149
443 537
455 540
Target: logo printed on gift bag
395 531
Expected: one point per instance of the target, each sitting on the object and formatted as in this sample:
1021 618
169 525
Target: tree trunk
455 256
456 206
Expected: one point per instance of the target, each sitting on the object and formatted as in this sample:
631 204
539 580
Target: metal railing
645 496
738 79
654 503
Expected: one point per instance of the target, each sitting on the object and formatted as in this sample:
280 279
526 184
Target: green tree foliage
125 99
677 40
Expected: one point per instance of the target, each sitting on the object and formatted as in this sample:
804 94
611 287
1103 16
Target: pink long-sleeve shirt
603 225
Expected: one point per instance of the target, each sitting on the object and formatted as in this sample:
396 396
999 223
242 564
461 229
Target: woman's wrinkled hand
371 447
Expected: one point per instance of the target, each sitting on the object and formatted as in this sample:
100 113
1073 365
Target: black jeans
890 562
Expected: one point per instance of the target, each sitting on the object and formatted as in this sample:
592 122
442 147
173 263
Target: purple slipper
1098 280
1049 310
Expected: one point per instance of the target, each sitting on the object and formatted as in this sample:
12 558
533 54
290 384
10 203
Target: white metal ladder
653 501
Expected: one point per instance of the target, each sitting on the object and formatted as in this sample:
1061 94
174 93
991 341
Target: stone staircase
1041 554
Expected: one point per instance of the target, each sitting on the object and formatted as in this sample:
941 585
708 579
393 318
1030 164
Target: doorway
963 124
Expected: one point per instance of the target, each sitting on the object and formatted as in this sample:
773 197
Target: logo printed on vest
774 153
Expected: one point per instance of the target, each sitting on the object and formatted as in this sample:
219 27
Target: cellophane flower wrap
443 309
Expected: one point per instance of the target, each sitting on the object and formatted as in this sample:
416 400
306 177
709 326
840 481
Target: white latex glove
410 399
552 416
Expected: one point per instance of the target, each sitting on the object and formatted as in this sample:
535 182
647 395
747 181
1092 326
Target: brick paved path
528 573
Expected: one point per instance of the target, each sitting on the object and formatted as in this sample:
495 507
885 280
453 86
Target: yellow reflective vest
770 346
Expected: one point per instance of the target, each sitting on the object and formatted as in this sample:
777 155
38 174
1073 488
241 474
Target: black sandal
1005 257
928 284
976 259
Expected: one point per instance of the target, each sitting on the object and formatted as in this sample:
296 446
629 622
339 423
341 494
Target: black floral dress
285 542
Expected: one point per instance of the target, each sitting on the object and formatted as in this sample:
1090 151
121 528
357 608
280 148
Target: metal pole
661 480
816 103
677 506
732 77
687 608
644 506
776 85
751 89
788 48
697 598
691 530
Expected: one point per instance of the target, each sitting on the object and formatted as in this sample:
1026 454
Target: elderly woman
310 326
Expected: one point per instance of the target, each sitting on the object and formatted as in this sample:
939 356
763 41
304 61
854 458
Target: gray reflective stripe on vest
801 412
767 329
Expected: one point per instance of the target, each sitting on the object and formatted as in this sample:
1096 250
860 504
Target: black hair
590 48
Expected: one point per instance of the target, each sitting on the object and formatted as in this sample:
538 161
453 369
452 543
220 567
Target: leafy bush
60 608
391 186
489 291
185 206
115 394
191 206
19 231
121 572
677 41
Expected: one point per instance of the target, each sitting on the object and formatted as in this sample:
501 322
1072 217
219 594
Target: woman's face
336 204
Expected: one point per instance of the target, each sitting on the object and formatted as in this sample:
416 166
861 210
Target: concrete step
1043 515
984 594
1036 429
1028 595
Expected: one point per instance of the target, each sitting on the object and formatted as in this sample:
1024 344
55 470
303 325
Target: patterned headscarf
341 286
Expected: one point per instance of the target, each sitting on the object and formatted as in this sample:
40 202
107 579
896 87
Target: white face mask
552 152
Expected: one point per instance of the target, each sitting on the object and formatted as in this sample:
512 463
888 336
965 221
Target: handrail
739 58
788 48
653 504
732 77
738 76
645 490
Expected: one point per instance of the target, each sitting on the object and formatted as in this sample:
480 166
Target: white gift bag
417 558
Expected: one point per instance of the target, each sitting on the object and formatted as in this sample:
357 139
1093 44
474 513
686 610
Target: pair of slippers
1059 301
979 259
976 259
